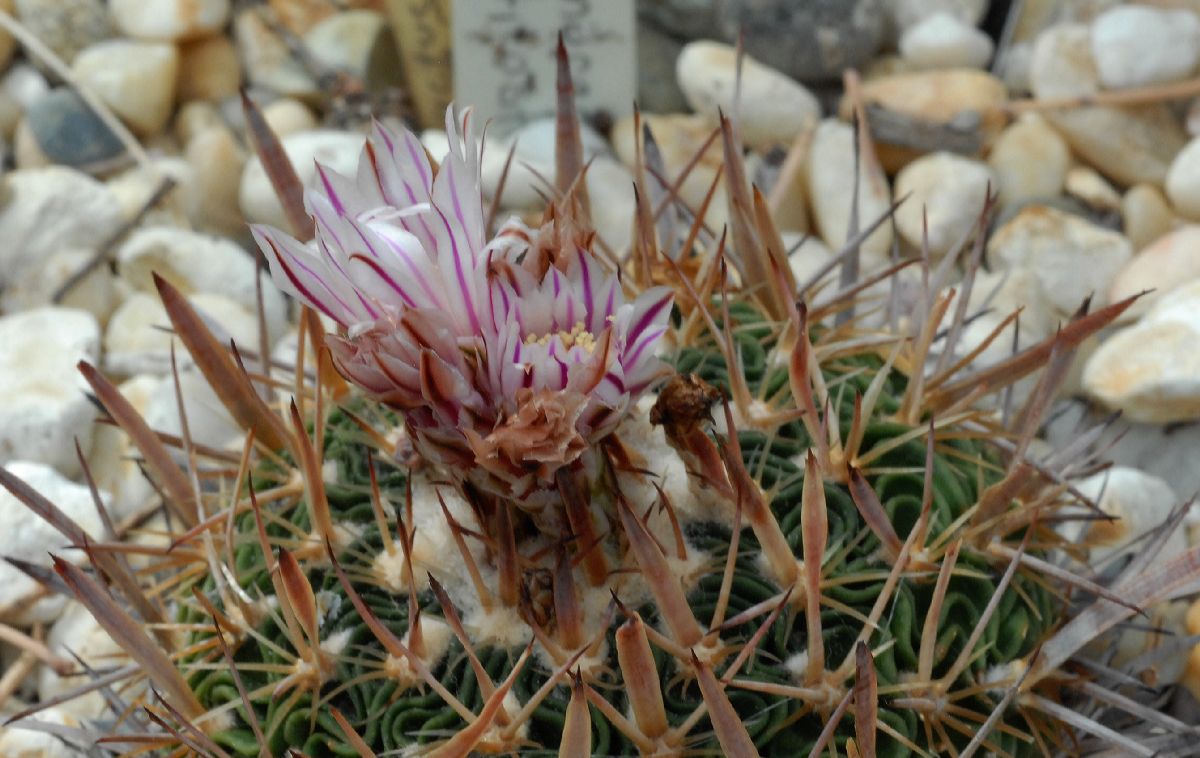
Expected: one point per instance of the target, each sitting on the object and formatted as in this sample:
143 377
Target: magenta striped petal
459 331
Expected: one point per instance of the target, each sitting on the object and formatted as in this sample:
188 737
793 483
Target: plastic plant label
504 57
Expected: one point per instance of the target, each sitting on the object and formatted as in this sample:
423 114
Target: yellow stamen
578 336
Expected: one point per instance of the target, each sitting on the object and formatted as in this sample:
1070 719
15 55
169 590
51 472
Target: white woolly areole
335 643
436 635
797 665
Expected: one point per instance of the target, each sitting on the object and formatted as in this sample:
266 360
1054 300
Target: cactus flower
508 356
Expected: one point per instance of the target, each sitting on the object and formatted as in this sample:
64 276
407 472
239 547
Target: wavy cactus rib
853 559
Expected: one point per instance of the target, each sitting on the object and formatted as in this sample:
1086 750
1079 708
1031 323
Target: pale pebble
1030 160
1138 46
115 461
288 116
194 117
1087 185
1183 181
532 164
169 19
209 69
947 194
359 43
208 420
1062 64
95 293
773 108
198 263
135 79
908 13
76 633
135 186
944 41
211 199
937 96
137 339
16 742
1151 370
830 184
64 26
1139 503
1130 145
48 210
44 409
24 84
30 538
266 59
1145 214
339 151
1167 263
1074 259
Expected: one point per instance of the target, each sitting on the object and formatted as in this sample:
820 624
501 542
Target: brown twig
1137 96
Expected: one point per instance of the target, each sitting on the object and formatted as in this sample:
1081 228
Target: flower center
579 336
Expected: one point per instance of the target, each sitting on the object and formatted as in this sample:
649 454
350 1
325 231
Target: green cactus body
392 717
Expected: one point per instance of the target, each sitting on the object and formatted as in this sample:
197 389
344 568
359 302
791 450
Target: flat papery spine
640 676
579 516
754 506
672 603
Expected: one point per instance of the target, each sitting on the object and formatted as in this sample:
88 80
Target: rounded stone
830 184
337 150
684 19
209 69
1074 258
135 343
44 409
810 40
947 193
1086 184
1146 215
135 79
359 43
49 210
1137 46
195 117
1129 145
1166 264
772 108
68 132
287 116
1030 160
1062 63
938 96
1137 501
65 26
1151 370
267 60
908 13
196 263
1183 181
32 539
169 19
945 41
211 199
679 138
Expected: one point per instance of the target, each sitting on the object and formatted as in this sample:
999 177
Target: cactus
786 534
